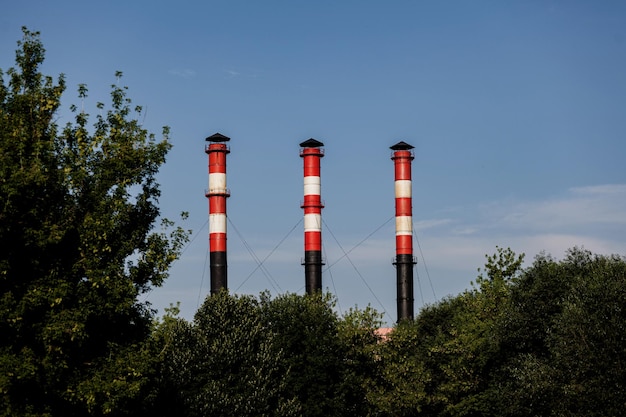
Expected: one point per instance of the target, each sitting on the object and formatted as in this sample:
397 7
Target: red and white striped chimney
311 153
402 157
217 195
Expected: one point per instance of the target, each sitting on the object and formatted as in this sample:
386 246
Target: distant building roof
384 333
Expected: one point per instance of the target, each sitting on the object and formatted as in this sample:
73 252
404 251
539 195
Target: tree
77 214
223 364
570 359
442 363
357 331
588 346
399 384
285 356
306 332
469 356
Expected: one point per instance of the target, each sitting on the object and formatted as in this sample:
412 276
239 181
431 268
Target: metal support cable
361 242
206 256
425 266
270 279
261 263
332 280
345 255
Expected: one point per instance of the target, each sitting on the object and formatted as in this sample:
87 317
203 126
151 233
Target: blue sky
516 111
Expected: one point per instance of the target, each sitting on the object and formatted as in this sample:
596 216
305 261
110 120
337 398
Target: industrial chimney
311 152
217 195
402 157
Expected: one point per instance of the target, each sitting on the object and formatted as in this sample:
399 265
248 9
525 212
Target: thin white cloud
608 189
593 217
467 230
429 224
231 73
579 209
183 73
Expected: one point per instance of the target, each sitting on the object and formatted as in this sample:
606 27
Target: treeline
548 340
78 213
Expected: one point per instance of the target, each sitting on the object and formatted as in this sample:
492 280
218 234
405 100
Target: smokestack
311 153
217 195
402 157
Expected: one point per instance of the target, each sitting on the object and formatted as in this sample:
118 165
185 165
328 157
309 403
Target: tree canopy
78 207
547 340
543 340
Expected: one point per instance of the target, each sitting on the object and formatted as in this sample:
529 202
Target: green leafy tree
357 331
571 363
525 382
306 332
588 346
399 386
442 363
549 340
469 356
224 363
77 214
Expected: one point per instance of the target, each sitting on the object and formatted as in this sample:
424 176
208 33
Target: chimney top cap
401 146
311 143
217 137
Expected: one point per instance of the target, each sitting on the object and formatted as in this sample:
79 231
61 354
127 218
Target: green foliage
589 345
573 361
503 269
357 332
286 356
306 331
442 363
548 340
223 364
467 352
77 213
398 388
